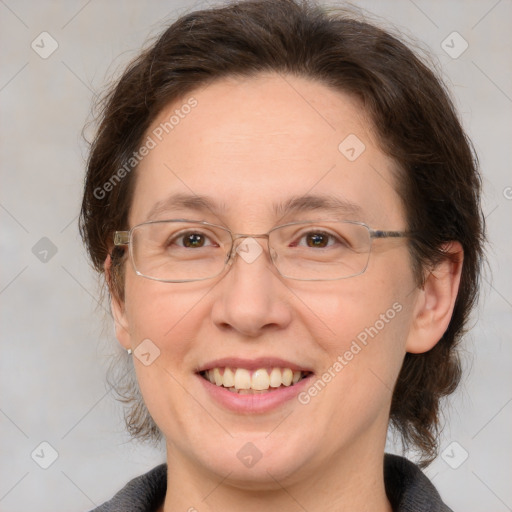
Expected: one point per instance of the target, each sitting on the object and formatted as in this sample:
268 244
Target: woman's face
250 148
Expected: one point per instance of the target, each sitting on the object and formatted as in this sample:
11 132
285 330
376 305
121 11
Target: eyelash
332 239
182 236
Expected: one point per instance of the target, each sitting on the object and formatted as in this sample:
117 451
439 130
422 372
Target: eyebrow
294 205
310 202
184 202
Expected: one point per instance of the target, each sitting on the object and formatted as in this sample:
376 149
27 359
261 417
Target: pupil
194 240
317 240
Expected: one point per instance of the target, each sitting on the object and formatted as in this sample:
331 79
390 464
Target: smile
262 380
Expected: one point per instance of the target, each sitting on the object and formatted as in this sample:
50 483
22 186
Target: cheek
361 326
166 313
360 311
362 358
170 319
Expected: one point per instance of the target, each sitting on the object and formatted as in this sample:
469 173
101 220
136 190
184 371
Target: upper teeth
260 379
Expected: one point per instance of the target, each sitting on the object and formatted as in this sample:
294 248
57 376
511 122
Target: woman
286 211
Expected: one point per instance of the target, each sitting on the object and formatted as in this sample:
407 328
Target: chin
257 462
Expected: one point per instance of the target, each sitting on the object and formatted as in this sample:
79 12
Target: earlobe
117 308
436 300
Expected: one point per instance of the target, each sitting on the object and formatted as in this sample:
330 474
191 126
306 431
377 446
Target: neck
346 482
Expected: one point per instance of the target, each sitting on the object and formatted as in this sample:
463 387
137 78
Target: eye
191 240
318 239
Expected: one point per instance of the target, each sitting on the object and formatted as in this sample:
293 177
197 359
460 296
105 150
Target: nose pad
249 250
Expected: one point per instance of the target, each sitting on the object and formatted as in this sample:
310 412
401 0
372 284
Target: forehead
251 146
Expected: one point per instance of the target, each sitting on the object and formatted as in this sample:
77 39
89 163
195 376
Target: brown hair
412 115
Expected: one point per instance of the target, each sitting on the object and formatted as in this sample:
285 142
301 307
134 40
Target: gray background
56 339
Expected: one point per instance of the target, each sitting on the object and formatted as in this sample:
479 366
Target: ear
436 300
117 307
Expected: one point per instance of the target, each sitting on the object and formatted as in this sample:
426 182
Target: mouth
244 381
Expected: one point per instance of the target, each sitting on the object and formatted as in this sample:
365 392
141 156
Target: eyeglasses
180 250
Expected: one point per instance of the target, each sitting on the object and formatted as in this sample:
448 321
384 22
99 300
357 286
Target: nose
251 298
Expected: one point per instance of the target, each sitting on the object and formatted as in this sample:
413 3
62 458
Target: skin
249 144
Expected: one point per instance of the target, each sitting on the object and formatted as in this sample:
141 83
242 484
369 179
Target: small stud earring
129 351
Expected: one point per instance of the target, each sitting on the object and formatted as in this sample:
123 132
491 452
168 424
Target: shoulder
408 489
144 493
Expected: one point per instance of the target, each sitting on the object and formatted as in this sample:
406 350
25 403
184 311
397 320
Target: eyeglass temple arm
121 238
389 234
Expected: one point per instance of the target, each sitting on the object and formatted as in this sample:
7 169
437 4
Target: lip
252 364
254 404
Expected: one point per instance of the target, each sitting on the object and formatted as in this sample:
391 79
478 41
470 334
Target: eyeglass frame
124 238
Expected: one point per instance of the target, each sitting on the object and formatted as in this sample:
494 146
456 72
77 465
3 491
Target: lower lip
256 403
